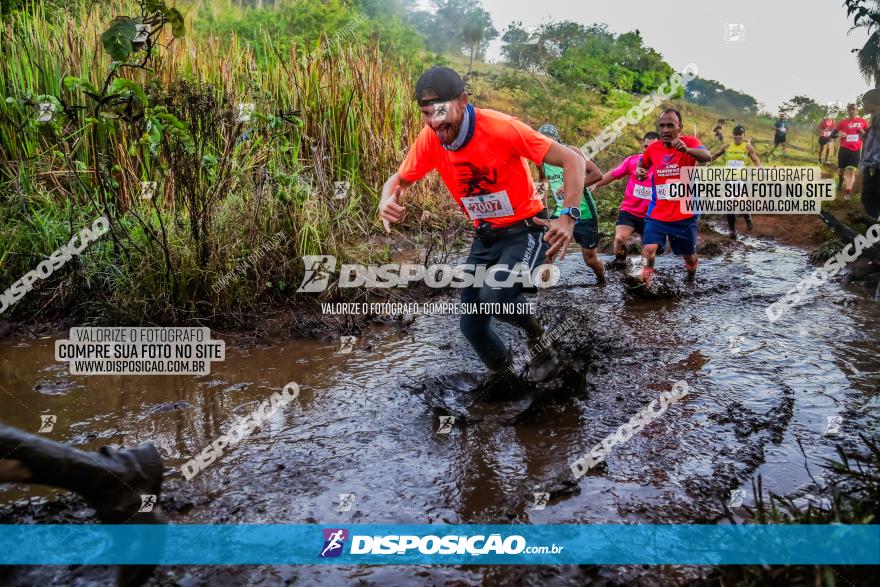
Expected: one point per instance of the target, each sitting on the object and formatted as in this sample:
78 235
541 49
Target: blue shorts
682 235
586 233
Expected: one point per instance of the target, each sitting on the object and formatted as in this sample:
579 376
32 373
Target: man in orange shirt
482 156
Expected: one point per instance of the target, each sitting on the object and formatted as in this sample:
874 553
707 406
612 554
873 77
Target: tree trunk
471 64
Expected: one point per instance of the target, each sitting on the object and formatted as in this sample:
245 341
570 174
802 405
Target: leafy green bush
159 109
309 26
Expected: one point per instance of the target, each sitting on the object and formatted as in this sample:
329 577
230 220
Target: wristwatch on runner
573 212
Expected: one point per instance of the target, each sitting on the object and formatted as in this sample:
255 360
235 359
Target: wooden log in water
848 235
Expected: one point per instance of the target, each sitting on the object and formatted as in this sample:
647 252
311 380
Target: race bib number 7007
494 205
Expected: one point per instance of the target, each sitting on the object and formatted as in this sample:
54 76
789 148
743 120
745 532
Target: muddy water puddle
361 428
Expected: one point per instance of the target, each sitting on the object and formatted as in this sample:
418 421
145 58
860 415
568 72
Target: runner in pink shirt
634 206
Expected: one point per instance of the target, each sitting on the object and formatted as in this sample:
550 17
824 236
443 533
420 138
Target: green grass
343 114
853 490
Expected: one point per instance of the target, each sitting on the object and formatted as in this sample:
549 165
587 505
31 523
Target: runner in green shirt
586 229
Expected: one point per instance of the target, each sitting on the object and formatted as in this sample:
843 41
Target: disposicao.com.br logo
334 541
321 269
450 544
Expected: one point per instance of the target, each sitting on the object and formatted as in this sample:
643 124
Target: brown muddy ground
365 423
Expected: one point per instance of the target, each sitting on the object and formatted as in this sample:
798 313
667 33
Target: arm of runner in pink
626 167
632 203
420 160
645 159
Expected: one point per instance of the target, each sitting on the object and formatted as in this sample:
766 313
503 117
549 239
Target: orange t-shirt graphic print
489 177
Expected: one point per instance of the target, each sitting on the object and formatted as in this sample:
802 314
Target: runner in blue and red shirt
663 161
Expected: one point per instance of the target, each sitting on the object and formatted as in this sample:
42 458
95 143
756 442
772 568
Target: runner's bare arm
606 179
390 210
720 152
701 154
754 155
594 174
574 170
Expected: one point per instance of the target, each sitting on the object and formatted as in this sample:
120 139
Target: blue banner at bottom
271 544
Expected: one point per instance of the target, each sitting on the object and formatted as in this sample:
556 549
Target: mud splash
366 422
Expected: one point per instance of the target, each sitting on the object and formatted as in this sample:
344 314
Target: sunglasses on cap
431 101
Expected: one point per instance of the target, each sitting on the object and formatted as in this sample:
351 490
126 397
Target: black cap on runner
739 130
438 84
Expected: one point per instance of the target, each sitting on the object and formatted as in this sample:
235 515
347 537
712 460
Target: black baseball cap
441 84
739 130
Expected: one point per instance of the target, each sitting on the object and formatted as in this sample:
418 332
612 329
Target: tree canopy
456 26
713 94
591 56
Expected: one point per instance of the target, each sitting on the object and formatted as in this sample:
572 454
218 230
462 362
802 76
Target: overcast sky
789 47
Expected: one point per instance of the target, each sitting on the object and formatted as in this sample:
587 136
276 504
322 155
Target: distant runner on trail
826 127
780 137
586 229
738 154
634 206
662 161
719 129
851 129
481 156
870 164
